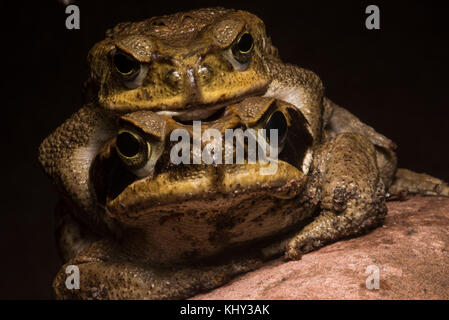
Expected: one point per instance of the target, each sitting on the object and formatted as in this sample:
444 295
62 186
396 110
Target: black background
394 79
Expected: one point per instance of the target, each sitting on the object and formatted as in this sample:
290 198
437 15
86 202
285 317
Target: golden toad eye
132 149
277 121
126 65
245 43
241 50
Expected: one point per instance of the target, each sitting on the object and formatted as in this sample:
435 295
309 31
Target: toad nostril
173 78
205 73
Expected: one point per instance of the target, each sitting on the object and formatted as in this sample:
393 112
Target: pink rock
411 251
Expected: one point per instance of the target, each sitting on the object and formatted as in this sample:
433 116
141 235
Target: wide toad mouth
117 188
209 113
205 184
204 113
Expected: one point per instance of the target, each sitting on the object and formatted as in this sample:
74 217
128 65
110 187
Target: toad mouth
205 113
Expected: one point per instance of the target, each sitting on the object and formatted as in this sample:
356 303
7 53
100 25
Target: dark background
394 79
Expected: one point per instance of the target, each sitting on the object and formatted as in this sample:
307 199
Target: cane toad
138 225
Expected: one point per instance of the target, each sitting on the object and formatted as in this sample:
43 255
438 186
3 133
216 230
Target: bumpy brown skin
187 71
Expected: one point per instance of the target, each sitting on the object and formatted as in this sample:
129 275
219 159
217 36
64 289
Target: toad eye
245 43
132 149
131 71
242 48
277 121
126 65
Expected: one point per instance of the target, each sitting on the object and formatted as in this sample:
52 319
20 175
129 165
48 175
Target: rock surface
411 251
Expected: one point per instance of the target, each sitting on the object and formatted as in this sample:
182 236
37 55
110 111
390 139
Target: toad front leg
353 196
107 273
